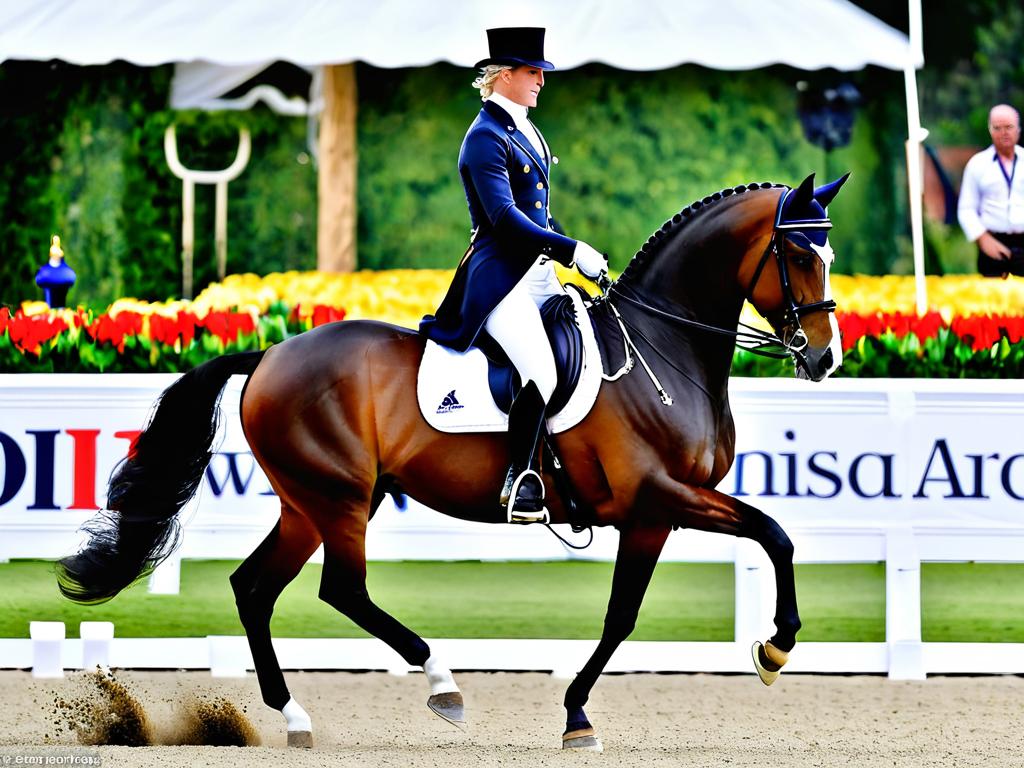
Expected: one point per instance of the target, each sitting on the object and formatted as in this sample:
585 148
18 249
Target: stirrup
509 497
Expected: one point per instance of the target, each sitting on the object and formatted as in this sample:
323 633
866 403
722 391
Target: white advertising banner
842 454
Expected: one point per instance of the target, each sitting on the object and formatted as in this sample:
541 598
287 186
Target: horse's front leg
639 548
704 509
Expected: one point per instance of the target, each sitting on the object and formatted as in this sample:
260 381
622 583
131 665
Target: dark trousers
989 267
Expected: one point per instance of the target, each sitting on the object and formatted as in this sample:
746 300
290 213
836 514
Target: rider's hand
591 263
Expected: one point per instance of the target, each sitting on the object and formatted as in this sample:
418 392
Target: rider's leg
516 325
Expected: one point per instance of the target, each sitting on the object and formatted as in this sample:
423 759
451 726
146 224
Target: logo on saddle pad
449 403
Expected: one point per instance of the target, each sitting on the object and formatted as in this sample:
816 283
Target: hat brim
512 62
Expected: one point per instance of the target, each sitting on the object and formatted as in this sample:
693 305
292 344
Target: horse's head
790 281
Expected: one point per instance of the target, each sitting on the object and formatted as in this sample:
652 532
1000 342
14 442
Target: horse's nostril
826 360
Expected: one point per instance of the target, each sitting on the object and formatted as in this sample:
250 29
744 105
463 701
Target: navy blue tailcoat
507 187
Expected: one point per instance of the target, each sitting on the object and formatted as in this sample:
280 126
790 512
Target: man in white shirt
991 208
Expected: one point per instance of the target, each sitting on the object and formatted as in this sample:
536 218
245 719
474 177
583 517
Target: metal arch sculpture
219 179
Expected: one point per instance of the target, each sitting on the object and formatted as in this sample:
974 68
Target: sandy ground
375 719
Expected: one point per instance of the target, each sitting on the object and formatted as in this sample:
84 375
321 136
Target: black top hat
516 46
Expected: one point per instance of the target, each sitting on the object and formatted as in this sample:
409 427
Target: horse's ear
826 194
803 195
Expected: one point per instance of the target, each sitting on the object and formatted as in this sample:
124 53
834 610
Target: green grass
463 599
972 602
686 601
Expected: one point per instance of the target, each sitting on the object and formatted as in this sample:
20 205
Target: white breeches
516 325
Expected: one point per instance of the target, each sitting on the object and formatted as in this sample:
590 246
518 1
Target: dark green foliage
35 104
635 147
83 157
956 98
412 209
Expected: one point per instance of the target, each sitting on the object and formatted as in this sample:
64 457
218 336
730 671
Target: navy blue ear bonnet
807 204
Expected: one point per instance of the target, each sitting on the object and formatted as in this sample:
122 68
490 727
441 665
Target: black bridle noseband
793 341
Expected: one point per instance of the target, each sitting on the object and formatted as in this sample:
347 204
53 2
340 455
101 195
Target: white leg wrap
439 677
296 717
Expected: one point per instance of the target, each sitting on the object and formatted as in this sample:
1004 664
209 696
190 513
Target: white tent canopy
639 35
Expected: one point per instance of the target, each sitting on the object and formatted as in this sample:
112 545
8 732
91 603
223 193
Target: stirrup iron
509 496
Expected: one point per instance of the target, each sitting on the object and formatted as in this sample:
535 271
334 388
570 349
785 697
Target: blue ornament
55 277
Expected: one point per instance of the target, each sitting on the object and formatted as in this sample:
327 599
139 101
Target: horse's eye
802 260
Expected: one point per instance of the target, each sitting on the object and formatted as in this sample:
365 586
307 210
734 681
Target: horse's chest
704 449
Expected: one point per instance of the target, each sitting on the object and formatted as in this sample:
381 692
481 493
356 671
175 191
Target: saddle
472 391
558 314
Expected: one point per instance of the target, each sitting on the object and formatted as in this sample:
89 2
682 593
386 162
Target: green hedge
634 147
84 158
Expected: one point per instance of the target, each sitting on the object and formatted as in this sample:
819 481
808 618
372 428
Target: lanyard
1008 176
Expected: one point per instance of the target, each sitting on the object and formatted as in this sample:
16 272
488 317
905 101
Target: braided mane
641 258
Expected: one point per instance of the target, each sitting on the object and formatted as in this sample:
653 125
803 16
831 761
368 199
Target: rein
752 339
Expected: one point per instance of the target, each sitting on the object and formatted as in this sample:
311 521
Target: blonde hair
485 81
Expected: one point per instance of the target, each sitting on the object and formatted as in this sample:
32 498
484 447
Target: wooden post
336 215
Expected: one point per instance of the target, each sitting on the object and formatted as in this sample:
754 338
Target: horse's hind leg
639 548
343 586
257 583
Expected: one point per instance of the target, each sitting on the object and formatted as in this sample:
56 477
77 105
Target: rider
506 274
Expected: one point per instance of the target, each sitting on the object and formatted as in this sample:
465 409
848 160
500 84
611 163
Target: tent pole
336 205
915 136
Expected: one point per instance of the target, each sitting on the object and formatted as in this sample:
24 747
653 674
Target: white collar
1017 150
516 111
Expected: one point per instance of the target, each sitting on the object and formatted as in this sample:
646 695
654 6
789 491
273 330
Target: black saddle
559 317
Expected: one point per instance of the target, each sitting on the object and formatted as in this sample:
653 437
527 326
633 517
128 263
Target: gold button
538 204
526 169
540 185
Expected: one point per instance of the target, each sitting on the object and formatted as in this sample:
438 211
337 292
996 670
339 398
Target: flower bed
34 339
974 331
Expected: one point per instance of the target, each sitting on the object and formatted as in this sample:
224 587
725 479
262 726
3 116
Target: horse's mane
654 243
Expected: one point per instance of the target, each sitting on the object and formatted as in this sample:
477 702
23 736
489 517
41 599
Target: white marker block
229 655
166 578
47 648
96 637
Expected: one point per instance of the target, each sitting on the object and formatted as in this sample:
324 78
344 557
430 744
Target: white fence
856 471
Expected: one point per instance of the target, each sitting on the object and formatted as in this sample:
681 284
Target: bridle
793 341
796 340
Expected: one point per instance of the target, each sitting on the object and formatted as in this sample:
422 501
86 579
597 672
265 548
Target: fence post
47 648
903 605
755 593
96 637
166 579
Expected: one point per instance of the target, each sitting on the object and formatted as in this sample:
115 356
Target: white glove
589 262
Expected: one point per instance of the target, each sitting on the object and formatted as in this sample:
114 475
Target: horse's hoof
449 706
300 739
583 739
768 661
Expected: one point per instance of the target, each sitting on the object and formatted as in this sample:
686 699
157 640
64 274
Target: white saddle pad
454 395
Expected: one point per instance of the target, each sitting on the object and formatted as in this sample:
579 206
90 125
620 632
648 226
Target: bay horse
332 419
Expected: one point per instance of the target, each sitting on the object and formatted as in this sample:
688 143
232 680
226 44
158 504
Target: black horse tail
139 528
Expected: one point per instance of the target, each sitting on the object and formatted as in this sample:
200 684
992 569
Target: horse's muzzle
815 365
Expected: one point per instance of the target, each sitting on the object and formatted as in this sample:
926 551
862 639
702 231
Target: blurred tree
635 147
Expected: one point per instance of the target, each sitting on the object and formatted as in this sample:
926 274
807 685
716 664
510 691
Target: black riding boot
522 495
